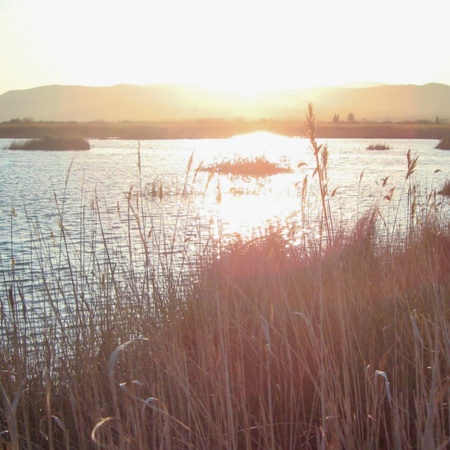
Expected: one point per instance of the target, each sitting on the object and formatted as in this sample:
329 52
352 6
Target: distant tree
437 120
336 118
351 118
24 120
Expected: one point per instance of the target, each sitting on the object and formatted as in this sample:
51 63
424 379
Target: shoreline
219 129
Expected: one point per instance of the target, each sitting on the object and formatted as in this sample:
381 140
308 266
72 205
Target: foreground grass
341 341
272 347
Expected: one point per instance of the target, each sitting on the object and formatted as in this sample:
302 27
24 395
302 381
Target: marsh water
58 208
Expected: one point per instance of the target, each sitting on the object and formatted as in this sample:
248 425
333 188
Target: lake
153 207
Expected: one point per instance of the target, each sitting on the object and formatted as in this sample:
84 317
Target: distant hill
163 102
361 84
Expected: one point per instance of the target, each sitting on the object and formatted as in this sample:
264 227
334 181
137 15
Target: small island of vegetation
445 189
258 167
378 147
51 144
444 144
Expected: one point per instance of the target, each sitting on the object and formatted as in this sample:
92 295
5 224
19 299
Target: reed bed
444 144
340 342
51 144
378 147
257 167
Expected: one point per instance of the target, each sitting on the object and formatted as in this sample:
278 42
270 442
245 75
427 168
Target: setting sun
236 46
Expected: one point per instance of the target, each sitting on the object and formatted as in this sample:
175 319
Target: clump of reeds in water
444 144
342 342
378 147
51 143
445 189
254 167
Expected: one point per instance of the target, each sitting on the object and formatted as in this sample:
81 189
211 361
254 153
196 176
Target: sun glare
244 47
248 204
262 143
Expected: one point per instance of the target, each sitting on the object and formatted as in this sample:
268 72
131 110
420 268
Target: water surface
97 195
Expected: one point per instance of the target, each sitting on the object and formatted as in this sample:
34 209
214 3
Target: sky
234 45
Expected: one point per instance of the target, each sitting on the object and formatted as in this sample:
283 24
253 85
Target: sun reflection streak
247 206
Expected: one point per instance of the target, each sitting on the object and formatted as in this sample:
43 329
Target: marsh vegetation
378 147
339 340
217 128
253 167
444 144
445 188
52 143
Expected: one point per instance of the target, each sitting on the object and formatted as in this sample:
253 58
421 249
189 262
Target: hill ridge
176 102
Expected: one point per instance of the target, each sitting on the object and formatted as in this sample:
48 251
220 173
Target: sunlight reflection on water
47 188
31 179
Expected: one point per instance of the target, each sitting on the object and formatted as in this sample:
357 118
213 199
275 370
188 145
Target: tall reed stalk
320 152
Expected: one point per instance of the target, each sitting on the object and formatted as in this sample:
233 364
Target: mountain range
172 102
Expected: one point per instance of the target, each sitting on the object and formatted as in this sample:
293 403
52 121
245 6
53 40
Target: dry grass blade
381 373
116 352
61 425
96 430
10 413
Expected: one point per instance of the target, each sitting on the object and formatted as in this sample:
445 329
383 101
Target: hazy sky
243 45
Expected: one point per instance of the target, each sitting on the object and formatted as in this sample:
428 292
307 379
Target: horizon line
349 85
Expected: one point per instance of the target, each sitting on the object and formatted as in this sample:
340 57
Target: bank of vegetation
51 144
341 340
214 128
444 144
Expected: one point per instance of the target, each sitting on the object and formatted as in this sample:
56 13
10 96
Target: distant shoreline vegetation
220 128
51 144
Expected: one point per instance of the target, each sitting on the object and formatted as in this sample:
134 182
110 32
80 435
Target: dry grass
272 347
336 345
